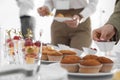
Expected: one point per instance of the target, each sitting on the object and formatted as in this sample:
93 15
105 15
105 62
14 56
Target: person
27 19
111 30
75 33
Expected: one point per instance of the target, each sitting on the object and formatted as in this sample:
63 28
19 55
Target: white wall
104 9
103 12
9 16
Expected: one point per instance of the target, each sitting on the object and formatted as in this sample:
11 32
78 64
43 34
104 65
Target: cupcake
90 66
67 52
44 55
70 63
107 64
45 50
54 55
59 15
90 56
49 48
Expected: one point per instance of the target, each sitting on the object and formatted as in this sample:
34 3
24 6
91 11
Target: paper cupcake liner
44 57
89 69
106 67
54 58
70 67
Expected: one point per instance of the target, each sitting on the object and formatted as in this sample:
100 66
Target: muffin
107 64
67 52
59 15
90 56
70 63
49 48
54 55
44 55
45 50
89 66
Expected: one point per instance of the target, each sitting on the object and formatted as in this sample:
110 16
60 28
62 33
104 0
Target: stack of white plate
85 76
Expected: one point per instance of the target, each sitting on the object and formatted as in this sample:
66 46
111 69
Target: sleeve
115 19
49 4
29 3
89 9
18 3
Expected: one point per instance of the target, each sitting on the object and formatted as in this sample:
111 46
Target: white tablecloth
55 72
51 72
27 72
48 72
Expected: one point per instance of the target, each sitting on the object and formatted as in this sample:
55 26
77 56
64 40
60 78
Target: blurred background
9 17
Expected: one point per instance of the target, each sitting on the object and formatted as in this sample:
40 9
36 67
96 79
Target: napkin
89 50
62 46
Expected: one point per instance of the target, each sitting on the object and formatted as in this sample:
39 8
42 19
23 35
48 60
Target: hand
74 22
104 33
43 11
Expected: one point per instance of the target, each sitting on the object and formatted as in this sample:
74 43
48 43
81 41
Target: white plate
48 62
90 75
61 19
86 76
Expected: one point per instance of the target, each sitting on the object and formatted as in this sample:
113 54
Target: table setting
27 59
106 49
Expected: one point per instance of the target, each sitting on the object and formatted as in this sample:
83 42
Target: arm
115 19
89 9
29 3
111 30
49 4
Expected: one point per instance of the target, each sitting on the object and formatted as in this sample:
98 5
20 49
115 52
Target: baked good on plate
70 63
107 64
89 66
